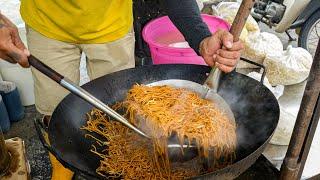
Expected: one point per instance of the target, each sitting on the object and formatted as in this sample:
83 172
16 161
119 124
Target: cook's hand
12 48
219 50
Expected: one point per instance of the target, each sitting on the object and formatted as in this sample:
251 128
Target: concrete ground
275 153
36 154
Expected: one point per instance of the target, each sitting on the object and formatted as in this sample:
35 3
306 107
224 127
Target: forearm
186 16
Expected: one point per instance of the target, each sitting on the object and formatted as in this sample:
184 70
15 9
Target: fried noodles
125 155
161 111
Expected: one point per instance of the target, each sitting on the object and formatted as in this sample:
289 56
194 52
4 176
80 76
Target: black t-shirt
186 16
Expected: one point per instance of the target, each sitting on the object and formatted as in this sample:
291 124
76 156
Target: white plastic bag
284 129
200 4
258 46
244 35
277 91
215 11
290 67
228 11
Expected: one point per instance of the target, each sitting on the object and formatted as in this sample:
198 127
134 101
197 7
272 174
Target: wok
255 108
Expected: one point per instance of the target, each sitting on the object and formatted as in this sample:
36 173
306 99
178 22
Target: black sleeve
186 17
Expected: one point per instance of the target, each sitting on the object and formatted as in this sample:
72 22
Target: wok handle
241 18
36 63
259 65
40 129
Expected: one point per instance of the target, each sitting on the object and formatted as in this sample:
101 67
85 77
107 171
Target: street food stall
255 107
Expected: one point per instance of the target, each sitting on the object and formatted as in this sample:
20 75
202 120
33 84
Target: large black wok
255 108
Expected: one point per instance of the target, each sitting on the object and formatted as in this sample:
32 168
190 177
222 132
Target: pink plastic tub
161 35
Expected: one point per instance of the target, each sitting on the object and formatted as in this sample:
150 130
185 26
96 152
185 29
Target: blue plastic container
4 118
11 99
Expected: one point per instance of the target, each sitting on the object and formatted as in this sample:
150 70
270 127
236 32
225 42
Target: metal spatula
80 92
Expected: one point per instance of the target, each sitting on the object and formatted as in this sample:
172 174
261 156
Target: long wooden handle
52 74
241 18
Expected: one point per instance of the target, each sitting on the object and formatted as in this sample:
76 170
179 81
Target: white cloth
6 86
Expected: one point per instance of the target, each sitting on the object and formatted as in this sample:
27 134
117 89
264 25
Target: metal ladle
209 89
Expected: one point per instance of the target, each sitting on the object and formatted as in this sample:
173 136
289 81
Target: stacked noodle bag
284 67
257 44
292 66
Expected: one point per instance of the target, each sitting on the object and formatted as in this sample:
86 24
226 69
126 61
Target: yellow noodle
128 155
164 110
161 111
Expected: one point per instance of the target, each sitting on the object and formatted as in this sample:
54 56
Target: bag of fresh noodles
258 46
228 11
290 67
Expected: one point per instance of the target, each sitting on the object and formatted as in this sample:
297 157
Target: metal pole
292 162
4 156
311 131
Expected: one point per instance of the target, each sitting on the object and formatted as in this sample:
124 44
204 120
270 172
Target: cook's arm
186 16
217 49
12 48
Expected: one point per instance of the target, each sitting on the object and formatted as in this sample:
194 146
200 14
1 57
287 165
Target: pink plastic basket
161 32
